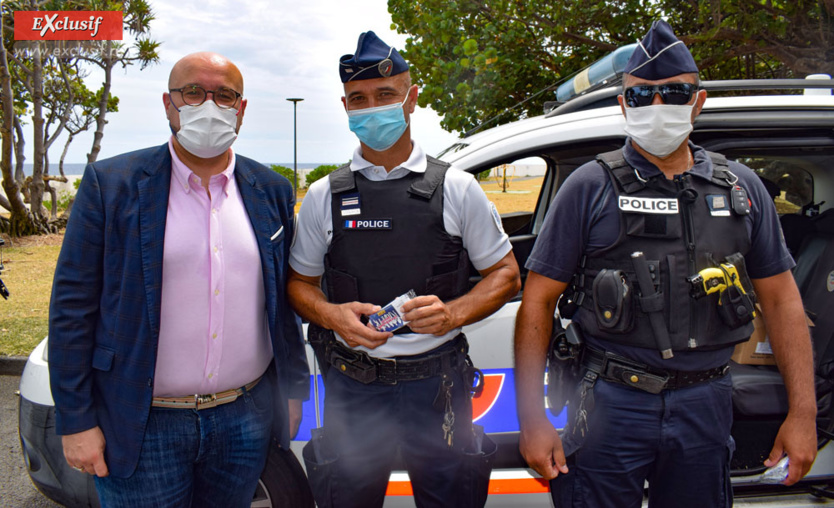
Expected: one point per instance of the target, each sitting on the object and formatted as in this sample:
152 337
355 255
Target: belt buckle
386 366
205 401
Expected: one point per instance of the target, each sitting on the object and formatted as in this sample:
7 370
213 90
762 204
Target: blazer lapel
153 210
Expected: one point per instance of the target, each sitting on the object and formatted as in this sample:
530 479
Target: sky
283 49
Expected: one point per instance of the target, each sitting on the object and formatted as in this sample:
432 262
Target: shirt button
214 210
211 376
216 292
215 249
213 335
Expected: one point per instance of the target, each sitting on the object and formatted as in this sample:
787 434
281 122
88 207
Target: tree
49 78
286 172
137 18
320 172
475 59
21 221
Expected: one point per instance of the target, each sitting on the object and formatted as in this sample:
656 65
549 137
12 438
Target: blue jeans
365 425
207 458
679 441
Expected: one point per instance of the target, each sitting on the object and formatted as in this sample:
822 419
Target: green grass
29 268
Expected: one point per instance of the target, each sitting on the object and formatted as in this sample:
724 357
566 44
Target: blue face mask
379 127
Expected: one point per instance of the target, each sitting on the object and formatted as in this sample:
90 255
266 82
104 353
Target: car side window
788 180
514 188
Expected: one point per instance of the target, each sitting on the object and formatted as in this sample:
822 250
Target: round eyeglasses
194 95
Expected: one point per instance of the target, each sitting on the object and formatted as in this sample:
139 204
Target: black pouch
319 338
478 460
613 302
735 308
321 469
355 366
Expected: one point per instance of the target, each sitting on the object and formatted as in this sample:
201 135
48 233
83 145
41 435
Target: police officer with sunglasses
658 252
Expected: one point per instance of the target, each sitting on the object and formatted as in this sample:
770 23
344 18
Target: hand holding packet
777 473
390 317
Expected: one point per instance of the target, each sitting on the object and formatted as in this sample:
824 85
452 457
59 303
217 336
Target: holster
564 369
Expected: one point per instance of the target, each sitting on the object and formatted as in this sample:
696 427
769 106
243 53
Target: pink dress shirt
213 333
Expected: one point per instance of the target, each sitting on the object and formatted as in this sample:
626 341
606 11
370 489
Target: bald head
205 69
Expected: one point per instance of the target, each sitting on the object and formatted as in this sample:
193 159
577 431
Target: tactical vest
682 226
389 237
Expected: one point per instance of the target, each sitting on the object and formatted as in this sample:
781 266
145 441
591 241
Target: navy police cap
660 55
373 59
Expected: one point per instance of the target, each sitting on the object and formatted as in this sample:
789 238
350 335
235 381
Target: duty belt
199 402
366 369
621 370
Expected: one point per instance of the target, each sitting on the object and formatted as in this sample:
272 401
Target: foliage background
475 59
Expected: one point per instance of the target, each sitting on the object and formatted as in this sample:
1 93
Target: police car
785 132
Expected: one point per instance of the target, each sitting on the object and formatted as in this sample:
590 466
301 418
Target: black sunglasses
671 93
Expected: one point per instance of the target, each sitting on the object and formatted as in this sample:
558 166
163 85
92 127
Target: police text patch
649 205
368 224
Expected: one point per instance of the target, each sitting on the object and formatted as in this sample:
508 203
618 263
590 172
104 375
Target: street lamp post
295 102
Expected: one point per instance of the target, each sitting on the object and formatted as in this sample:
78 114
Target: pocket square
274 236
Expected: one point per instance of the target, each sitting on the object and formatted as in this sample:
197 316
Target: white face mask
207 130
659 128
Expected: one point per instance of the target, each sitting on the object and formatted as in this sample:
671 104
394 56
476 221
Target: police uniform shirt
467 213
584 218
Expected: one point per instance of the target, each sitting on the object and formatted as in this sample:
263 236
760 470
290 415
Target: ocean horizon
72 169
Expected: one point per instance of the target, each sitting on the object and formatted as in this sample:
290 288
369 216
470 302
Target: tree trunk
20 222
53 194
64 154
19 155
37 186
108 62
65 215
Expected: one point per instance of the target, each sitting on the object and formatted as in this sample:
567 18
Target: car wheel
283 482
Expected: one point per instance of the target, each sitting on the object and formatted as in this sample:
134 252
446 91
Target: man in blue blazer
172 349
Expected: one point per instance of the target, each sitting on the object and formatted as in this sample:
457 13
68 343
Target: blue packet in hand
390 317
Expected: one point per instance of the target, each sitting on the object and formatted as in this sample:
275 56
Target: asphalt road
16 490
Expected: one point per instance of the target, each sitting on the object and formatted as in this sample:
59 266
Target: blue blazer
105 307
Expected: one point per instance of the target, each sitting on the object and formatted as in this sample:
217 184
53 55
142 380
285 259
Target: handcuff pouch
613 301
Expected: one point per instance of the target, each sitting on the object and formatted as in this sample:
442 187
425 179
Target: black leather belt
366 369
639 375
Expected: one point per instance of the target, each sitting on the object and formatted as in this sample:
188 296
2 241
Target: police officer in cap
391 221
627 244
